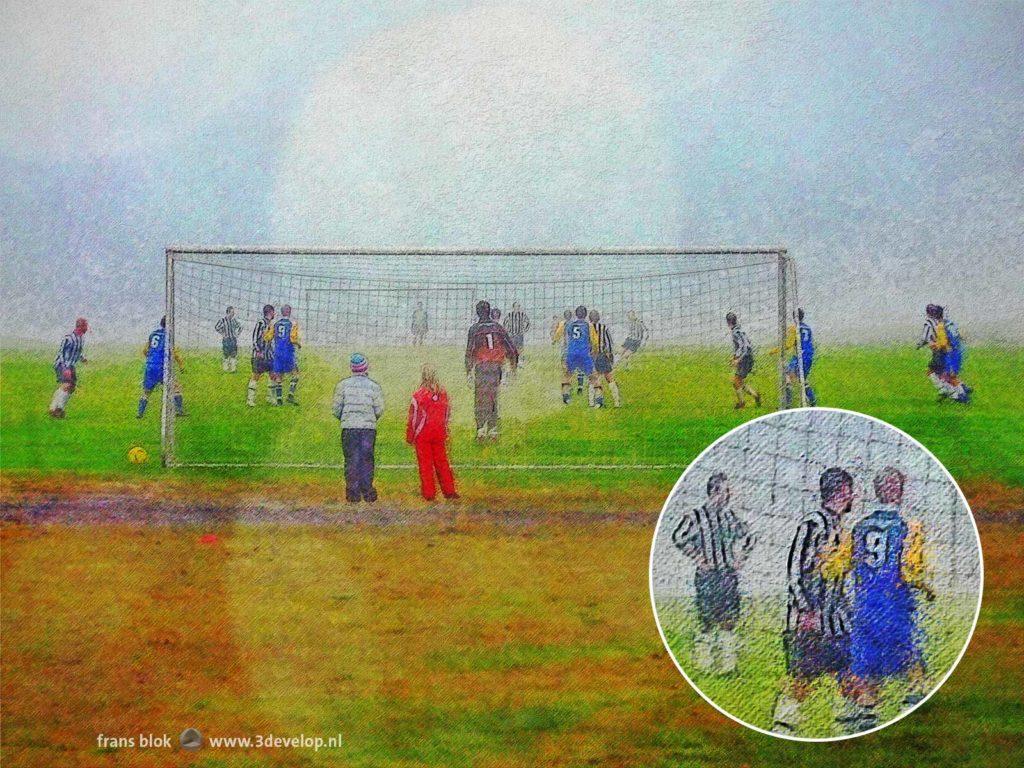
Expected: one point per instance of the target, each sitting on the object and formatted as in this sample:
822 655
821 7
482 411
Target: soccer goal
664 311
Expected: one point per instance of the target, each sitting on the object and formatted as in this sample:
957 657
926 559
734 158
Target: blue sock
812 398
788 396
179 405
142 406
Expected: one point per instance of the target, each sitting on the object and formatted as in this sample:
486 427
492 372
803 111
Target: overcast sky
882 144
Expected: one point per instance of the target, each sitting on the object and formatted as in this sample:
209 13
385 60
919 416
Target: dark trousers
488 382
358 446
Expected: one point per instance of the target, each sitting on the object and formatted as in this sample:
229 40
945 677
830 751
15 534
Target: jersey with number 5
578 338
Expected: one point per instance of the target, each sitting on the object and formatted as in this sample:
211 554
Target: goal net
402 309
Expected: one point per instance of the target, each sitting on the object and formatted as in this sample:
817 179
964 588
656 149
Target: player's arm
220 327
410 422
526 324
470 351
789 345
378 402
294 337
686 538
338 403
268 335
177 359
926 337
914 567
510 349
802 567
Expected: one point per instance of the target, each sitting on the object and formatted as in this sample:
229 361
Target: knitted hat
358 363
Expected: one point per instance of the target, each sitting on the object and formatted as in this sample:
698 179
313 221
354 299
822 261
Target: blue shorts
579 362
152 376
793 367
884 646
284 362
954 361
60 369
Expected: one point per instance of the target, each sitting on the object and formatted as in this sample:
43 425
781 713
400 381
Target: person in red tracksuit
427 431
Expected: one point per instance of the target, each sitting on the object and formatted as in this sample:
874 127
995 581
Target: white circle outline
821 739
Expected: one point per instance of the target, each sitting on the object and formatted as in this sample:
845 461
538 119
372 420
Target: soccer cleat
452 496
757 401
481 434
57 413
492 433
738 406
292 400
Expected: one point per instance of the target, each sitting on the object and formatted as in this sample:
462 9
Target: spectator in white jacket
358 404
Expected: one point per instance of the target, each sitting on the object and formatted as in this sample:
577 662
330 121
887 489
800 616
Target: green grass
749 694
675 404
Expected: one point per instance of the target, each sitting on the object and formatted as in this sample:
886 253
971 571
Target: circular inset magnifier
816 574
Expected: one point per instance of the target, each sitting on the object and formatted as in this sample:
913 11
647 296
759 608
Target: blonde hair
429 378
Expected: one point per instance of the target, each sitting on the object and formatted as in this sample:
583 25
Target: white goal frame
786 290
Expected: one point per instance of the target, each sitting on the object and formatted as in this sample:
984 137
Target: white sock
55 400
944 387
787 714
703 652
727 651
614 387
62 399
250 395
590 394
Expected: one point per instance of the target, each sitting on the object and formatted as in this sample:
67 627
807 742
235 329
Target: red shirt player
487 349
427 431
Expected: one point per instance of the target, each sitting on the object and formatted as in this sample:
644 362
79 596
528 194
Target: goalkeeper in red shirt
427 432
488 348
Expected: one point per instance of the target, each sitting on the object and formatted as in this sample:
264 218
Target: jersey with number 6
489 342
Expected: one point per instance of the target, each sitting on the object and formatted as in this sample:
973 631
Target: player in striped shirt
942 336
70 353
636 335
742 362
604 357
817 636
517 324
228 327
718 542
262 356
284 335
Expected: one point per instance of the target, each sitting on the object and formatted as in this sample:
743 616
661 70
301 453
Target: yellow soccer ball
138 455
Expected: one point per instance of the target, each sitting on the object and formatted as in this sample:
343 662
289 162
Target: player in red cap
69 355
427 431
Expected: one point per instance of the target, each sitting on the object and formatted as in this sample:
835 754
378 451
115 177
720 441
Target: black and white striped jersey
812 593
741 346
71 351
228 327
637 330
260 346
517 323
713 538
604 340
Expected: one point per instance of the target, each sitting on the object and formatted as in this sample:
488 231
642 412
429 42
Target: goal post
406 307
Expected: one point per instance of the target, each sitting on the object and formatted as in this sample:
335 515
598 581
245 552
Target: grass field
675 404
514 629
750 694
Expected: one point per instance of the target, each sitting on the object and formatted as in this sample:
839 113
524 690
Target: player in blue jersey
284 334
887 570
799 348
580 340
153 372
947 355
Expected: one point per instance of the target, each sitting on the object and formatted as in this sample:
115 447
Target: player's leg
703 642
425 464
802 651
855 709
566 382
348 449
494 387
480 407
151 377
737 386
293 385
250 392
728 605
444 469
369 449
67 381
179 400
596 390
